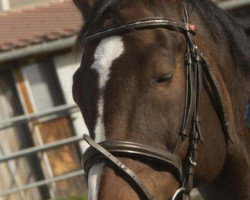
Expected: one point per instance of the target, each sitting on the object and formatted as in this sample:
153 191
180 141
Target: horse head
139 88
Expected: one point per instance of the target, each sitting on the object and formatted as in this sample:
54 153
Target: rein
196 68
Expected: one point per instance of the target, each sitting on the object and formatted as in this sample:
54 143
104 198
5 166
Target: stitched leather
137 151
118 164
145 23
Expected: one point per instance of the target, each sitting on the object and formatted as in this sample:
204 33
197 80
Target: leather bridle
196 69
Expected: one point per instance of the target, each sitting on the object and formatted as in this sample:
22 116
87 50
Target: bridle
196 69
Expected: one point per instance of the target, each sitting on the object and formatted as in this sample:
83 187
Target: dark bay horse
163 87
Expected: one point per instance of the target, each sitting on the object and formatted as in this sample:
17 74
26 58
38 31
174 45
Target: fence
46 115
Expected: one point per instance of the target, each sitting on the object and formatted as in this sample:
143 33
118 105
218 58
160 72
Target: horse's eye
165 78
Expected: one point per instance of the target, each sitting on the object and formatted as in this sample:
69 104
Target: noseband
196 69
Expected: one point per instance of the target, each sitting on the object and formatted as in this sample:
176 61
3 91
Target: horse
163 88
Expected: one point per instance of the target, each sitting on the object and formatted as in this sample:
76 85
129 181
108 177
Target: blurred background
40 126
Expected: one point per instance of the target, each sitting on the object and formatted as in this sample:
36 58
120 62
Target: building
36 105
36 68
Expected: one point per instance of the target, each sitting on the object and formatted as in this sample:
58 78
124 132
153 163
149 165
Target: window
15 173
43 84
35 88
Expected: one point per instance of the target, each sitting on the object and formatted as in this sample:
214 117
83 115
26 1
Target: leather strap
137 151
119 165
146 23
218 99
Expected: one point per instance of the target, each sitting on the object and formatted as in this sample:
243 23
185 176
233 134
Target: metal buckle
179 192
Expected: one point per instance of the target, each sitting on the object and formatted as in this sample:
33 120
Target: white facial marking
106 52
94 180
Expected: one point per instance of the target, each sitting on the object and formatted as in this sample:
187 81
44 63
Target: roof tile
38 24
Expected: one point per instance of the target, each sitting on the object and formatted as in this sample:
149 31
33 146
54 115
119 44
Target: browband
146 23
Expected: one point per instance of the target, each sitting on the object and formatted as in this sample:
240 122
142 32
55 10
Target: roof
38 24
44 23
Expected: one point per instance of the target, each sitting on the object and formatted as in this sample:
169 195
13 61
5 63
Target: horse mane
219 23
223 26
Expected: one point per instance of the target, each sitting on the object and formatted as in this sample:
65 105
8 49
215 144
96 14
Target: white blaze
106 52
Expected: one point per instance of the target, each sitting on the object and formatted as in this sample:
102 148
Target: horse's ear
84 6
